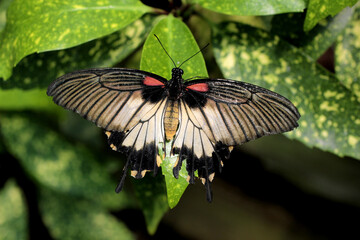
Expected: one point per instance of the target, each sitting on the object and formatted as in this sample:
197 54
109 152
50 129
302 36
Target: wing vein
118 110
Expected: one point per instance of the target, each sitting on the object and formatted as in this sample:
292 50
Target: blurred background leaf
81 218
18 99
14 216
151 194
313 170
347 54
54 162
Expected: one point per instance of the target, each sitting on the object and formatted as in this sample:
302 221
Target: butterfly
203 118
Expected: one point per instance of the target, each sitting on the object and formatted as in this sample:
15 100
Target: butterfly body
203 118
171 119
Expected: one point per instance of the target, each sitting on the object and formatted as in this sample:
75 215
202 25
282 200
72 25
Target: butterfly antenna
194 54
164 49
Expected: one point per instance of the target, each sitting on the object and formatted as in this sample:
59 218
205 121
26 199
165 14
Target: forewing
128 104
115 99
234 112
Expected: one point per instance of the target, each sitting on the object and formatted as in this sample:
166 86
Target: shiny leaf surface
315 42
39 70
38 26
320 9
253 7
329 111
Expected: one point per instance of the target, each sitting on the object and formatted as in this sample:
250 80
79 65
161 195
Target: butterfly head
177 73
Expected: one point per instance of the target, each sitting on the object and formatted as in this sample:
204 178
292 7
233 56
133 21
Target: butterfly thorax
176 84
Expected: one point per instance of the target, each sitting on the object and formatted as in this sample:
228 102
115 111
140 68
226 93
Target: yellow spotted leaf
329 111
56 163
320 9
347 54
69 217
14 214
39 70
253 7
316 41
38 26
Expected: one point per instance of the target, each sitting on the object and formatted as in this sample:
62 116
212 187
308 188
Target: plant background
57 175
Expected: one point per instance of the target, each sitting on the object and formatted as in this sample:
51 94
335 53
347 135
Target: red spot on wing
199 87
149 81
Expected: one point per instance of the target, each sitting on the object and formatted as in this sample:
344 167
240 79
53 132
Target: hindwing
216 115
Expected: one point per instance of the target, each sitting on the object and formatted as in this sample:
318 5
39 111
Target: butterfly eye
181 71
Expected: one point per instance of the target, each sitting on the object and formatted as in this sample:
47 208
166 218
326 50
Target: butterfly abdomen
171 119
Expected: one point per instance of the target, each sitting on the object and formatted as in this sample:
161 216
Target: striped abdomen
171 119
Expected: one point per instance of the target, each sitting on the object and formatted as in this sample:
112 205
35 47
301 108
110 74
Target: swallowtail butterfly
204 118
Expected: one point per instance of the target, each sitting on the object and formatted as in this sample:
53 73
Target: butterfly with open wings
204 118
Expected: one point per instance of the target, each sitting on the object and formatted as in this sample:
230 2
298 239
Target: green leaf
180 44
17 99
174 187
151 194
253 7
38 26
325 36
68 217
57 163
13 218
347 55
315 42
330 112
38 70
320 9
